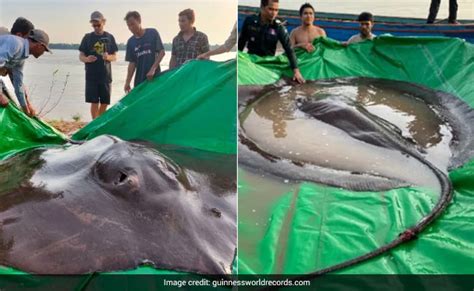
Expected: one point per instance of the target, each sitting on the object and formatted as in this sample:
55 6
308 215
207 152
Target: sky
66 21
404 8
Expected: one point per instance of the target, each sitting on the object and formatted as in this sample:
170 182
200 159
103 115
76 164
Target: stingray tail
409 234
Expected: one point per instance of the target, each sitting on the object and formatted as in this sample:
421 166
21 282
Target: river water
56 83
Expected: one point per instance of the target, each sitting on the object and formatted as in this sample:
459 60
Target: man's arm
231 40
323 33
293 38
204 45
3 99
130 72
226 47
173 54
110 57
111 54
285 41
172 62
220 50
29 105
243 36
159 54
131 58
20 91
3 72
17 80
87 59
5 55
158 58
82 49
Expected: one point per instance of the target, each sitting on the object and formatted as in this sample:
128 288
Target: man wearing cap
97 50
14 50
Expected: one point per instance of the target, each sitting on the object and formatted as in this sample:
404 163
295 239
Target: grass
67 127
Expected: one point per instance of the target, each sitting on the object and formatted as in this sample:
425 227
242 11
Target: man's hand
127 88
3 100
203 56
298 77
26 109
91 59
31 109
105 56
309 47
151 74
3 71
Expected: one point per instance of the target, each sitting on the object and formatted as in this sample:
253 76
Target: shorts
98 92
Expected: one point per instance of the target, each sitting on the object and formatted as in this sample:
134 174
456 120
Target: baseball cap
97 16
41 37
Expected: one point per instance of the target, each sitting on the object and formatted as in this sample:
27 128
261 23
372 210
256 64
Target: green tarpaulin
18 132
305 227
193 106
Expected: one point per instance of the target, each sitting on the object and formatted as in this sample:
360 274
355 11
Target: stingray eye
125 178
121 178
109 174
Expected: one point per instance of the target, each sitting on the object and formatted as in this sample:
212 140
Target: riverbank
67 127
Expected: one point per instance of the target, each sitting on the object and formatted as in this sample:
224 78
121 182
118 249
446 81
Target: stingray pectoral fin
287 170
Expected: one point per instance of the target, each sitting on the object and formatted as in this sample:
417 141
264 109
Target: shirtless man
304 35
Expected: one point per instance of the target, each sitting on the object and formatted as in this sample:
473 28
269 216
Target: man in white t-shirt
366 22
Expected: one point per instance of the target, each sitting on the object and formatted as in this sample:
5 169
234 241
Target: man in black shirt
97 50
261 33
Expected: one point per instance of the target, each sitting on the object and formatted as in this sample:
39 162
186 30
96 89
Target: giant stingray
111 205
351 133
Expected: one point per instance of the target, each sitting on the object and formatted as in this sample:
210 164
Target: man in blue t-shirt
144 51
97 50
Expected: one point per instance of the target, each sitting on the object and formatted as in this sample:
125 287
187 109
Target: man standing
14 50
261 33
303 35
366 22
434 8
144 51
22 28
189 43
97 50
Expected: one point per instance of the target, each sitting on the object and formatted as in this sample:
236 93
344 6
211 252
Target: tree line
121 46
